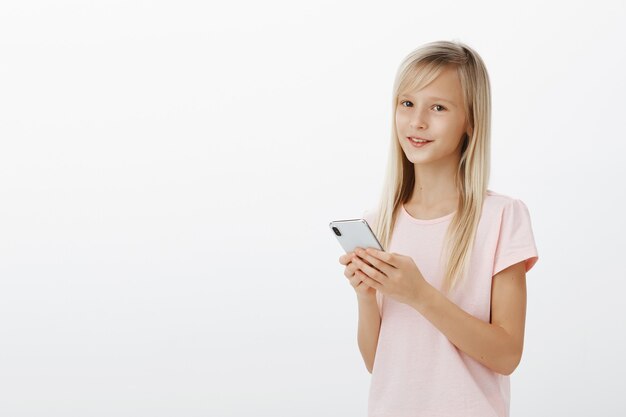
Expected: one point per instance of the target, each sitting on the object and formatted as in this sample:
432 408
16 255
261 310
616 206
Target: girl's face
435 113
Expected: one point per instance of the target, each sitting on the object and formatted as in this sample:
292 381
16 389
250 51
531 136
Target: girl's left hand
392 274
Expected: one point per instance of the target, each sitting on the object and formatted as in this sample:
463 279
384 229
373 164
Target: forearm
489 344
368 330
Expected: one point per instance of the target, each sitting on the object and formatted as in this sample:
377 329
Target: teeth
418 140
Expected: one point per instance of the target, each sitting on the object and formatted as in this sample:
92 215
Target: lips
417 137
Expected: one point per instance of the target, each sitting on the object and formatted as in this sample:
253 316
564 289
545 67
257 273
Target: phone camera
337 232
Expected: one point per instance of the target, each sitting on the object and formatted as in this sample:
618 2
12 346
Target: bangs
419 75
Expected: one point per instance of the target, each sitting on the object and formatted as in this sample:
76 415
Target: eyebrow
431 98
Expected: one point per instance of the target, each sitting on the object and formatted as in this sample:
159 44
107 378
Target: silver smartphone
354 233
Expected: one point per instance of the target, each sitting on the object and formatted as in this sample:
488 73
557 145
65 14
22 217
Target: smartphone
354 233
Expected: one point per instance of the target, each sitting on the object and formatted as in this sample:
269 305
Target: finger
357 257
355 281
345 258
362 262
366 280
379 260
375 265
370 272
350 269
387 257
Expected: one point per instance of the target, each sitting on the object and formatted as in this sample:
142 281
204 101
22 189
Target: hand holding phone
352 234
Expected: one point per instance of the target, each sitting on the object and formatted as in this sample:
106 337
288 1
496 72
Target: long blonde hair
417 70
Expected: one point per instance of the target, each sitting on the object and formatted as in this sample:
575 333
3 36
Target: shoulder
497 202
498 199
501 208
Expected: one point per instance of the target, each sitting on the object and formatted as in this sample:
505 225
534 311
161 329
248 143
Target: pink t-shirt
417 370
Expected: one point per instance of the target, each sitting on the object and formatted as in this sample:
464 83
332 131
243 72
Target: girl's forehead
446 85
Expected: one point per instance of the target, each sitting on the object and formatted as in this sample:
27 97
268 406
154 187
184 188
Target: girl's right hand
353 273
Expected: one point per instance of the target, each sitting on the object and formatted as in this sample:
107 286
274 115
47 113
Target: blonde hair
417 70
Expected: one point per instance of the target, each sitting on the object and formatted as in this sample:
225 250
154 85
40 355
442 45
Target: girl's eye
435 106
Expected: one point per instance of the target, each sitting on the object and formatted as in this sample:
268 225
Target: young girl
442 310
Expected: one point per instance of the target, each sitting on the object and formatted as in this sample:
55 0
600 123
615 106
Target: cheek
450 128
398 118
402 120
402 123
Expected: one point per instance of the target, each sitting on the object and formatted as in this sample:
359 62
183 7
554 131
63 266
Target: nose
418 119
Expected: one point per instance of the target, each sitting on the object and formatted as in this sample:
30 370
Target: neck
434 184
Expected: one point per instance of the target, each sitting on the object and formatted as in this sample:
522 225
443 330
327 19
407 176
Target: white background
168 171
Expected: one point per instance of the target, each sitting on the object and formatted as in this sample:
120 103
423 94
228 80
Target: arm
498 345
369 328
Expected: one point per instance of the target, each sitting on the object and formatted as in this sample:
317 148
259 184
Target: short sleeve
516 241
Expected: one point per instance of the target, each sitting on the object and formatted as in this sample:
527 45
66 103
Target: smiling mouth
418 140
